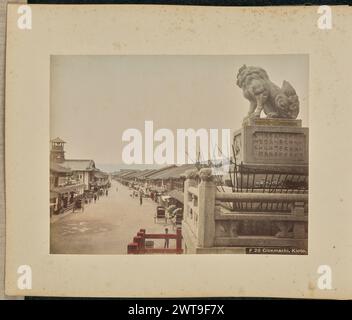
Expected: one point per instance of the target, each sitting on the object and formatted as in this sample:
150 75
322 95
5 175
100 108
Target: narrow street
105 227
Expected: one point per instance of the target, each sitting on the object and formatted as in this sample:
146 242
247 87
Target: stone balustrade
266 197
207 224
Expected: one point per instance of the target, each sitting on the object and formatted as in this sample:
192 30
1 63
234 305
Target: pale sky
95 98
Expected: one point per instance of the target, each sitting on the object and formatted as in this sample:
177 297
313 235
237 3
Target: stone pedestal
277 122
271 142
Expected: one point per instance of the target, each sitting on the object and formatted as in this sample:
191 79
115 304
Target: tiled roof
134 174
143 173
100 174
55 167
159 171
122 172
57 140
148 174
126 175
79 165
171 172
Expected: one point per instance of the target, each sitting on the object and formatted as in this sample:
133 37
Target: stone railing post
190 176
299 226
206 209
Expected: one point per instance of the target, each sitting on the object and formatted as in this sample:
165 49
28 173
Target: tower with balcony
57 152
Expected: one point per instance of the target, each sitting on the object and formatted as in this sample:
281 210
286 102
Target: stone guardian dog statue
266 96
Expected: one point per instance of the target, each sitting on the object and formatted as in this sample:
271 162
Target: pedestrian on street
140 198
166 244
106 192
95 198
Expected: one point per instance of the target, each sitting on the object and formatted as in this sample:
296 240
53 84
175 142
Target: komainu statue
265 95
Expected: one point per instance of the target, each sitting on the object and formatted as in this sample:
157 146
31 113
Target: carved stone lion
206 174
266 96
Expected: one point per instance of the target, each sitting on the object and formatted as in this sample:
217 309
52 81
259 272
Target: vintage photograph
179 154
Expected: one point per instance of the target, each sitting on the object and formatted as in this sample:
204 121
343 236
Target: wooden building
71 178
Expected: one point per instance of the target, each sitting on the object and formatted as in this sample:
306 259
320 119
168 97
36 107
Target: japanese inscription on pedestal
279 146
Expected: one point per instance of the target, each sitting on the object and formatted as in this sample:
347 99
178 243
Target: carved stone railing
191 201
289 228
213 226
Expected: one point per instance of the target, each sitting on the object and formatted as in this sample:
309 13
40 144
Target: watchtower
57 152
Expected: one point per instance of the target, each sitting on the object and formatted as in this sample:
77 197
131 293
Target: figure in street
166 244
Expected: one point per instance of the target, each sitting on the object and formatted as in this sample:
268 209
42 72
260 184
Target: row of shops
164 186
73 181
